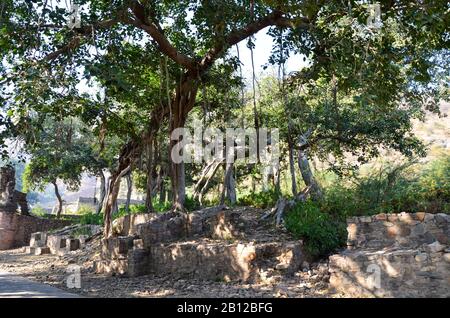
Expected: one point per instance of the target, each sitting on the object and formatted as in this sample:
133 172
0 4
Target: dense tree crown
149 67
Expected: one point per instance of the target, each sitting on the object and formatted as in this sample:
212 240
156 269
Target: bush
161 207
39 211
91 218
262 200
190 204
321 233
84 209
392 189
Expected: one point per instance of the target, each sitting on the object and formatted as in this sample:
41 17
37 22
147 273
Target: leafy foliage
322 234
59 152
262 199
91 218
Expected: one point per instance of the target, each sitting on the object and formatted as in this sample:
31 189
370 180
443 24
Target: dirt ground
310 281
52 270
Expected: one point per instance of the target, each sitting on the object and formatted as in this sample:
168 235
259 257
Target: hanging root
283 205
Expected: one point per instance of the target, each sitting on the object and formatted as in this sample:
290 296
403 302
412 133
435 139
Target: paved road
12 286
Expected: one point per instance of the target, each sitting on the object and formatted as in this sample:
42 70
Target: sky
261 54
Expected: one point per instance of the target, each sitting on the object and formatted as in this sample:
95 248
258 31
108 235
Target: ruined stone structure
15 229
62 241
201 244
16 226
394 255
10 198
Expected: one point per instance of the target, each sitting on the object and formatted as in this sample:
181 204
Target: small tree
60 153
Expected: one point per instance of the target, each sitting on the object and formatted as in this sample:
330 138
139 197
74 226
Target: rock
446 257
305 266
419 216
365 219
412 257
436 247
422 257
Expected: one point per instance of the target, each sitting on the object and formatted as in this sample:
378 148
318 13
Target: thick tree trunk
183 102
292 167
60 202
129 191
111 203
149 190
128 155
162 193
229 185
308 176
103 190
305 168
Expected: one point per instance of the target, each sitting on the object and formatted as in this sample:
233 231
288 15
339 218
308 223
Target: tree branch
276 18
142 22
81 32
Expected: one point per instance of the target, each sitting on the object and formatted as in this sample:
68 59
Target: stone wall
403 229
15 229
200 244
201 259
394 255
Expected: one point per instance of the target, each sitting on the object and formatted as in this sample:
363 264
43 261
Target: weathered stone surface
172 226
42 250
16 230
38 239
402 229
127 225
436 247
116 247
208 261
197 245
402 257
72 244
388 275
57 243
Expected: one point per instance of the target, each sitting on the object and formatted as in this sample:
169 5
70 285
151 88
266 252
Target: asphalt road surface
13 286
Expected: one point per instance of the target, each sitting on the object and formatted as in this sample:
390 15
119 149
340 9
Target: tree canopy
136 69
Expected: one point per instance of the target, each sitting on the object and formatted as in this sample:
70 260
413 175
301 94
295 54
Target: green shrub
262 200
84 209
392 189
91 218
190 204
320 232
161 207
39 211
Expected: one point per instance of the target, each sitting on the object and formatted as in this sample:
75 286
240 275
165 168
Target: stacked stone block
394 255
